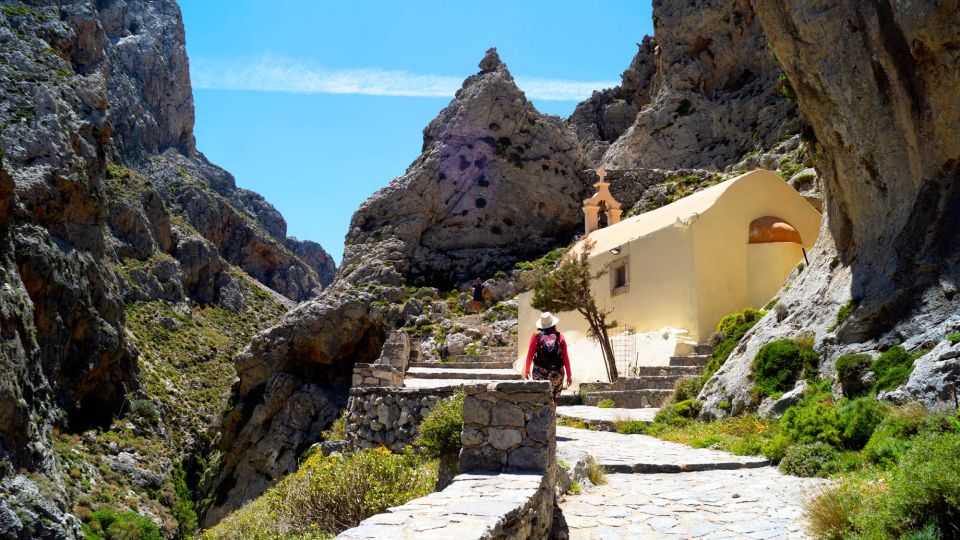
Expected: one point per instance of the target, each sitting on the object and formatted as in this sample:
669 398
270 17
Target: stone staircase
495 364
651 386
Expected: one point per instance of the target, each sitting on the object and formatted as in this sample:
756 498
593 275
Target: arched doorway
775 248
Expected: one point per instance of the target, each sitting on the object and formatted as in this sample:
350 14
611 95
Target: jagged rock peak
491 62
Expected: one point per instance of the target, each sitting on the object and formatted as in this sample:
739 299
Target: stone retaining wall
508 426
506 489
378 416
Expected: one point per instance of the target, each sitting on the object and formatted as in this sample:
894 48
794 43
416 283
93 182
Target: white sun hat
547 320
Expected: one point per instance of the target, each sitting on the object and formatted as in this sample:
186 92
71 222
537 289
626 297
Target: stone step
478 358
647 382
568 398
680 371
629 399
702 348
696 360
463 365
470 374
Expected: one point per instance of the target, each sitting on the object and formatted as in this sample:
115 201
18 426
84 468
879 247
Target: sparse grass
337 430
843 314
631 427
18 10
596 473
606 404
575 488
953 338
572 423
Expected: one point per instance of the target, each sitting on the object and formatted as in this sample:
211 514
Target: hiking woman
548 354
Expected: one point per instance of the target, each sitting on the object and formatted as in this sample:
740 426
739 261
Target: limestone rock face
496 182
293 380
104 200
607 114
715 93
314 255
878 85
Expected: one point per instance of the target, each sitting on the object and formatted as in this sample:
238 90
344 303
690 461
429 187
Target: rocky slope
878 83
497 182
715 92
105 206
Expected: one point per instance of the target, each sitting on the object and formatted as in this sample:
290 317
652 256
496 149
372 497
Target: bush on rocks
851 372
441 429
679 413
687 388
807 460
779 364
108 524
606 404
893 367
330 494
728 334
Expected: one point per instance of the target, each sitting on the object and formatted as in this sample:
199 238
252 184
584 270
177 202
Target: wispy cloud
276 74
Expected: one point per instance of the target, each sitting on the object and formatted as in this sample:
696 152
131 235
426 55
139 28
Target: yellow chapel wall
723 255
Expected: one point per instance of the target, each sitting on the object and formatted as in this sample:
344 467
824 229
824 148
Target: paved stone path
747 503
642 454
676 491
604 418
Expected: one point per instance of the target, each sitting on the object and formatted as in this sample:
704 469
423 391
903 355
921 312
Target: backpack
549 353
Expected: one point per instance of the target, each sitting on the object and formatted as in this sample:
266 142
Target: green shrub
108 524
566 421
678 413
728 334
843 314
707 442
337 430
779 364
892 437
858 419
632 427
748 445
183 508
687 388
808 460
776 447
893 367
851 369
145 410
606 404
954 338
330 494
922 492
441 429
811 422
724 405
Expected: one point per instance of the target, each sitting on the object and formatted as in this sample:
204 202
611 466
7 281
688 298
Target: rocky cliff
878 83
107 207
714 95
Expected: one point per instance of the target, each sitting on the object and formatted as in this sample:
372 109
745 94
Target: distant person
478 303
548 354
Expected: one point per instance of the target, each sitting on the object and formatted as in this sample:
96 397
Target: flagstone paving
659 489
747 503
640 453
605 418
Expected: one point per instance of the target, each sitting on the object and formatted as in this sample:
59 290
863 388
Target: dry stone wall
378 416
506 489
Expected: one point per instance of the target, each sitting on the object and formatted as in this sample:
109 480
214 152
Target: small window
619 276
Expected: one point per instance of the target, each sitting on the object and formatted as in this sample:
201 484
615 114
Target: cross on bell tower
601 210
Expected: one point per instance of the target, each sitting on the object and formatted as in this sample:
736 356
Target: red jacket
532 349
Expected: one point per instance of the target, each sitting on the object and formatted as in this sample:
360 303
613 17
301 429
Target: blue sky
318 104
